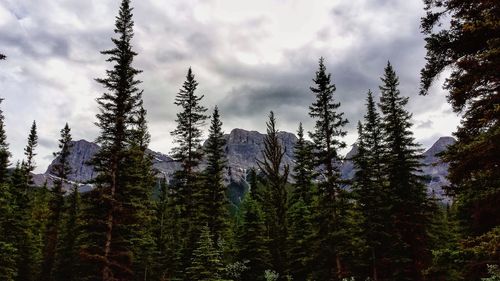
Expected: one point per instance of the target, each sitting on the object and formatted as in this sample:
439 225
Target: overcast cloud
248 56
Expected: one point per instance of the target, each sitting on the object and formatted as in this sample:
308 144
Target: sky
249 57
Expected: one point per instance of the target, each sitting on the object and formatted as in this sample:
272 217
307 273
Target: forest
301 223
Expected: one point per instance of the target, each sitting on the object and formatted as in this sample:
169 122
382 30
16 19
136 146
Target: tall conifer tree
215 201
372 194
299 210
189 152
67 257
464 36
110 214
275 208
29 152
62 169
333 203
4 150
251 239
410 209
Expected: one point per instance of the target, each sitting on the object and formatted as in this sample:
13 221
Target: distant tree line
382 225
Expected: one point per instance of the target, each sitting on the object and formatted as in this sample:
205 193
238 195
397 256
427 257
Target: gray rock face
81 153
243 150
436 169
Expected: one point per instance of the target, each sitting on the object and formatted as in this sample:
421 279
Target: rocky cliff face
243 150
436 169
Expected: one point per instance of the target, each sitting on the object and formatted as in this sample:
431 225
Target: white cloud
240 51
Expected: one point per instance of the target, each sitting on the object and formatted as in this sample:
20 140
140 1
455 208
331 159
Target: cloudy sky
249 57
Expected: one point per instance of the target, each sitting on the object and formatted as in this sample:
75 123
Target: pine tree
299 210
65 266
4 150
300 240
56 204
251 240
216 214
206 262
29 165
110 213
468 45
332 207
372 194
8 250
410 209
137 196
276 177
165 230
25 212
303 171
189 153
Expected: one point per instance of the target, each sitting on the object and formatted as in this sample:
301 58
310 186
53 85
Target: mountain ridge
243 150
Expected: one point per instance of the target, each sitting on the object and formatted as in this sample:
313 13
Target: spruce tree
110 213
303 171
26 234
4 150
165 231
56 204
275 208
29 165
8 250
372 194
137 196
331 220
216 214
66 263
206 262
463 36
251 240
189 153
299 210
410 209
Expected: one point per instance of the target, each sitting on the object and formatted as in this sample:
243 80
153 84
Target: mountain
435 168
243 150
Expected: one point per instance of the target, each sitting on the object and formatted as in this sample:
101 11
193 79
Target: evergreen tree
410 209
189 153
206 263
29 165
65 265
275 207
251 241
372 194
4 150
333 204
463 36
137 197
8 250
303 171
216 214
165 230
300 240
56 204
111 213
299 210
